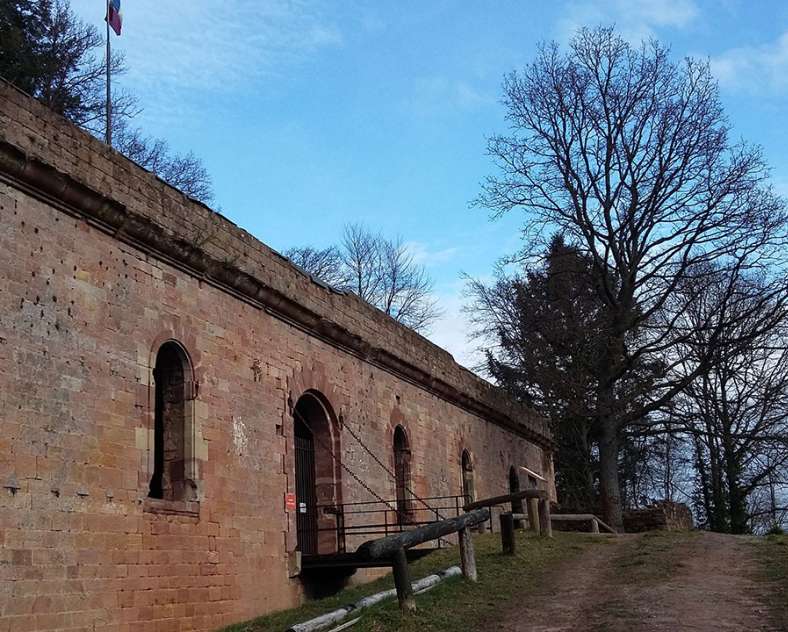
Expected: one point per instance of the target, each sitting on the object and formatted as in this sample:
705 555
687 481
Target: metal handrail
384 517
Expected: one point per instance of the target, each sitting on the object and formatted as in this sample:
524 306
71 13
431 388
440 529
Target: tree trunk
703 474
737 499
608 475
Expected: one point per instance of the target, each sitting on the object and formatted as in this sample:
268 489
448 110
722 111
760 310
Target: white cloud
435 95
211 47
636 20
755 69
422 253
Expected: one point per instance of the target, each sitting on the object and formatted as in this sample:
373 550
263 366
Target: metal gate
401 477
306 498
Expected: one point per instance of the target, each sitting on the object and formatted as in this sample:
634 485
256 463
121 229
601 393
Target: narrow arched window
514 480
468 488
173 389
402 475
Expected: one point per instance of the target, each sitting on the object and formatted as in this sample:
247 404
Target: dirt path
652 583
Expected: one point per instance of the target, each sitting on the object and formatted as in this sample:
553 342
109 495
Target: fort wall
102 264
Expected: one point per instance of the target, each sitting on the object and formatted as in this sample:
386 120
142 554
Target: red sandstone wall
42 136
81 317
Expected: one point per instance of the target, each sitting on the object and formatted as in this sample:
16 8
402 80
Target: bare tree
627 154
380 271
736 411
362 263
406 287
185 172
325 264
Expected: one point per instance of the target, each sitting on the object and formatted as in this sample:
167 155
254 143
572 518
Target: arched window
514 480
402 475
172 477
468 489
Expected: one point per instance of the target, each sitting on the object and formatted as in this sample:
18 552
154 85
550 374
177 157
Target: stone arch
402 475
174 473
318 473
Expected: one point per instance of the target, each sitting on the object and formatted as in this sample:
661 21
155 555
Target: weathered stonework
102 264
661 516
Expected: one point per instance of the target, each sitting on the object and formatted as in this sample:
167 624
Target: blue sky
311 114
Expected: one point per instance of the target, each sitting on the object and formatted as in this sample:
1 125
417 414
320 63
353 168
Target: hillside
650 582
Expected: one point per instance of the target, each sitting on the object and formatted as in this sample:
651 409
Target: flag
114 15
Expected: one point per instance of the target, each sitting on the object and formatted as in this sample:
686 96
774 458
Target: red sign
290 501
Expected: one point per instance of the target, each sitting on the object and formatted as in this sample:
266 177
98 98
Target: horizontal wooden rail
539 494
386 547
393 547
591 518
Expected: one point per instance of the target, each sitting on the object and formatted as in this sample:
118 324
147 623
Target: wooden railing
593 521
538 508
393 547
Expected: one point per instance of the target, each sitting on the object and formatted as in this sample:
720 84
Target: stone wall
102 264
661 516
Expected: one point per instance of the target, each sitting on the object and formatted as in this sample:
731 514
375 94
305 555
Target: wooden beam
534 474
399 564
582 518
467 555
506 498
533 514
386 547
507 534
545 526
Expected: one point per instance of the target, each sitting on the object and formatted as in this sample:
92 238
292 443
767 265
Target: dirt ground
652 582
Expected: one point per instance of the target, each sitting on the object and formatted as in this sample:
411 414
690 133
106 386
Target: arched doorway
317 474
468 487
402 476
514 486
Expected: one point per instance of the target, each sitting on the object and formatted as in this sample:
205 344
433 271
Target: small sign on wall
290 501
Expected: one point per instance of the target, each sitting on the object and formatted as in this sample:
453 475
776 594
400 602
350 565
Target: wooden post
545 524
467 555
594 525
507 533
399 564
385 548
533 514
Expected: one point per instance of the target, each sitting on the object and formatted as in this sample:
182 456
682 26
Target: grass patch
773 555
654 557
455 603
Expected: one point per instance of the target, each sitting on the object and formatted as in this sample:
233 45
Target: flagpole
109 89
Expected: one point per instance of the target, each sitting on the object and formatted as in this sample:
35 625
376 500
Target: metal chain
376 459
390 473
339 461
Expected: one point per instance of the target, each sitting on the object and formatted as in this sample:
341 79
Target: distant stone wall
661 516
